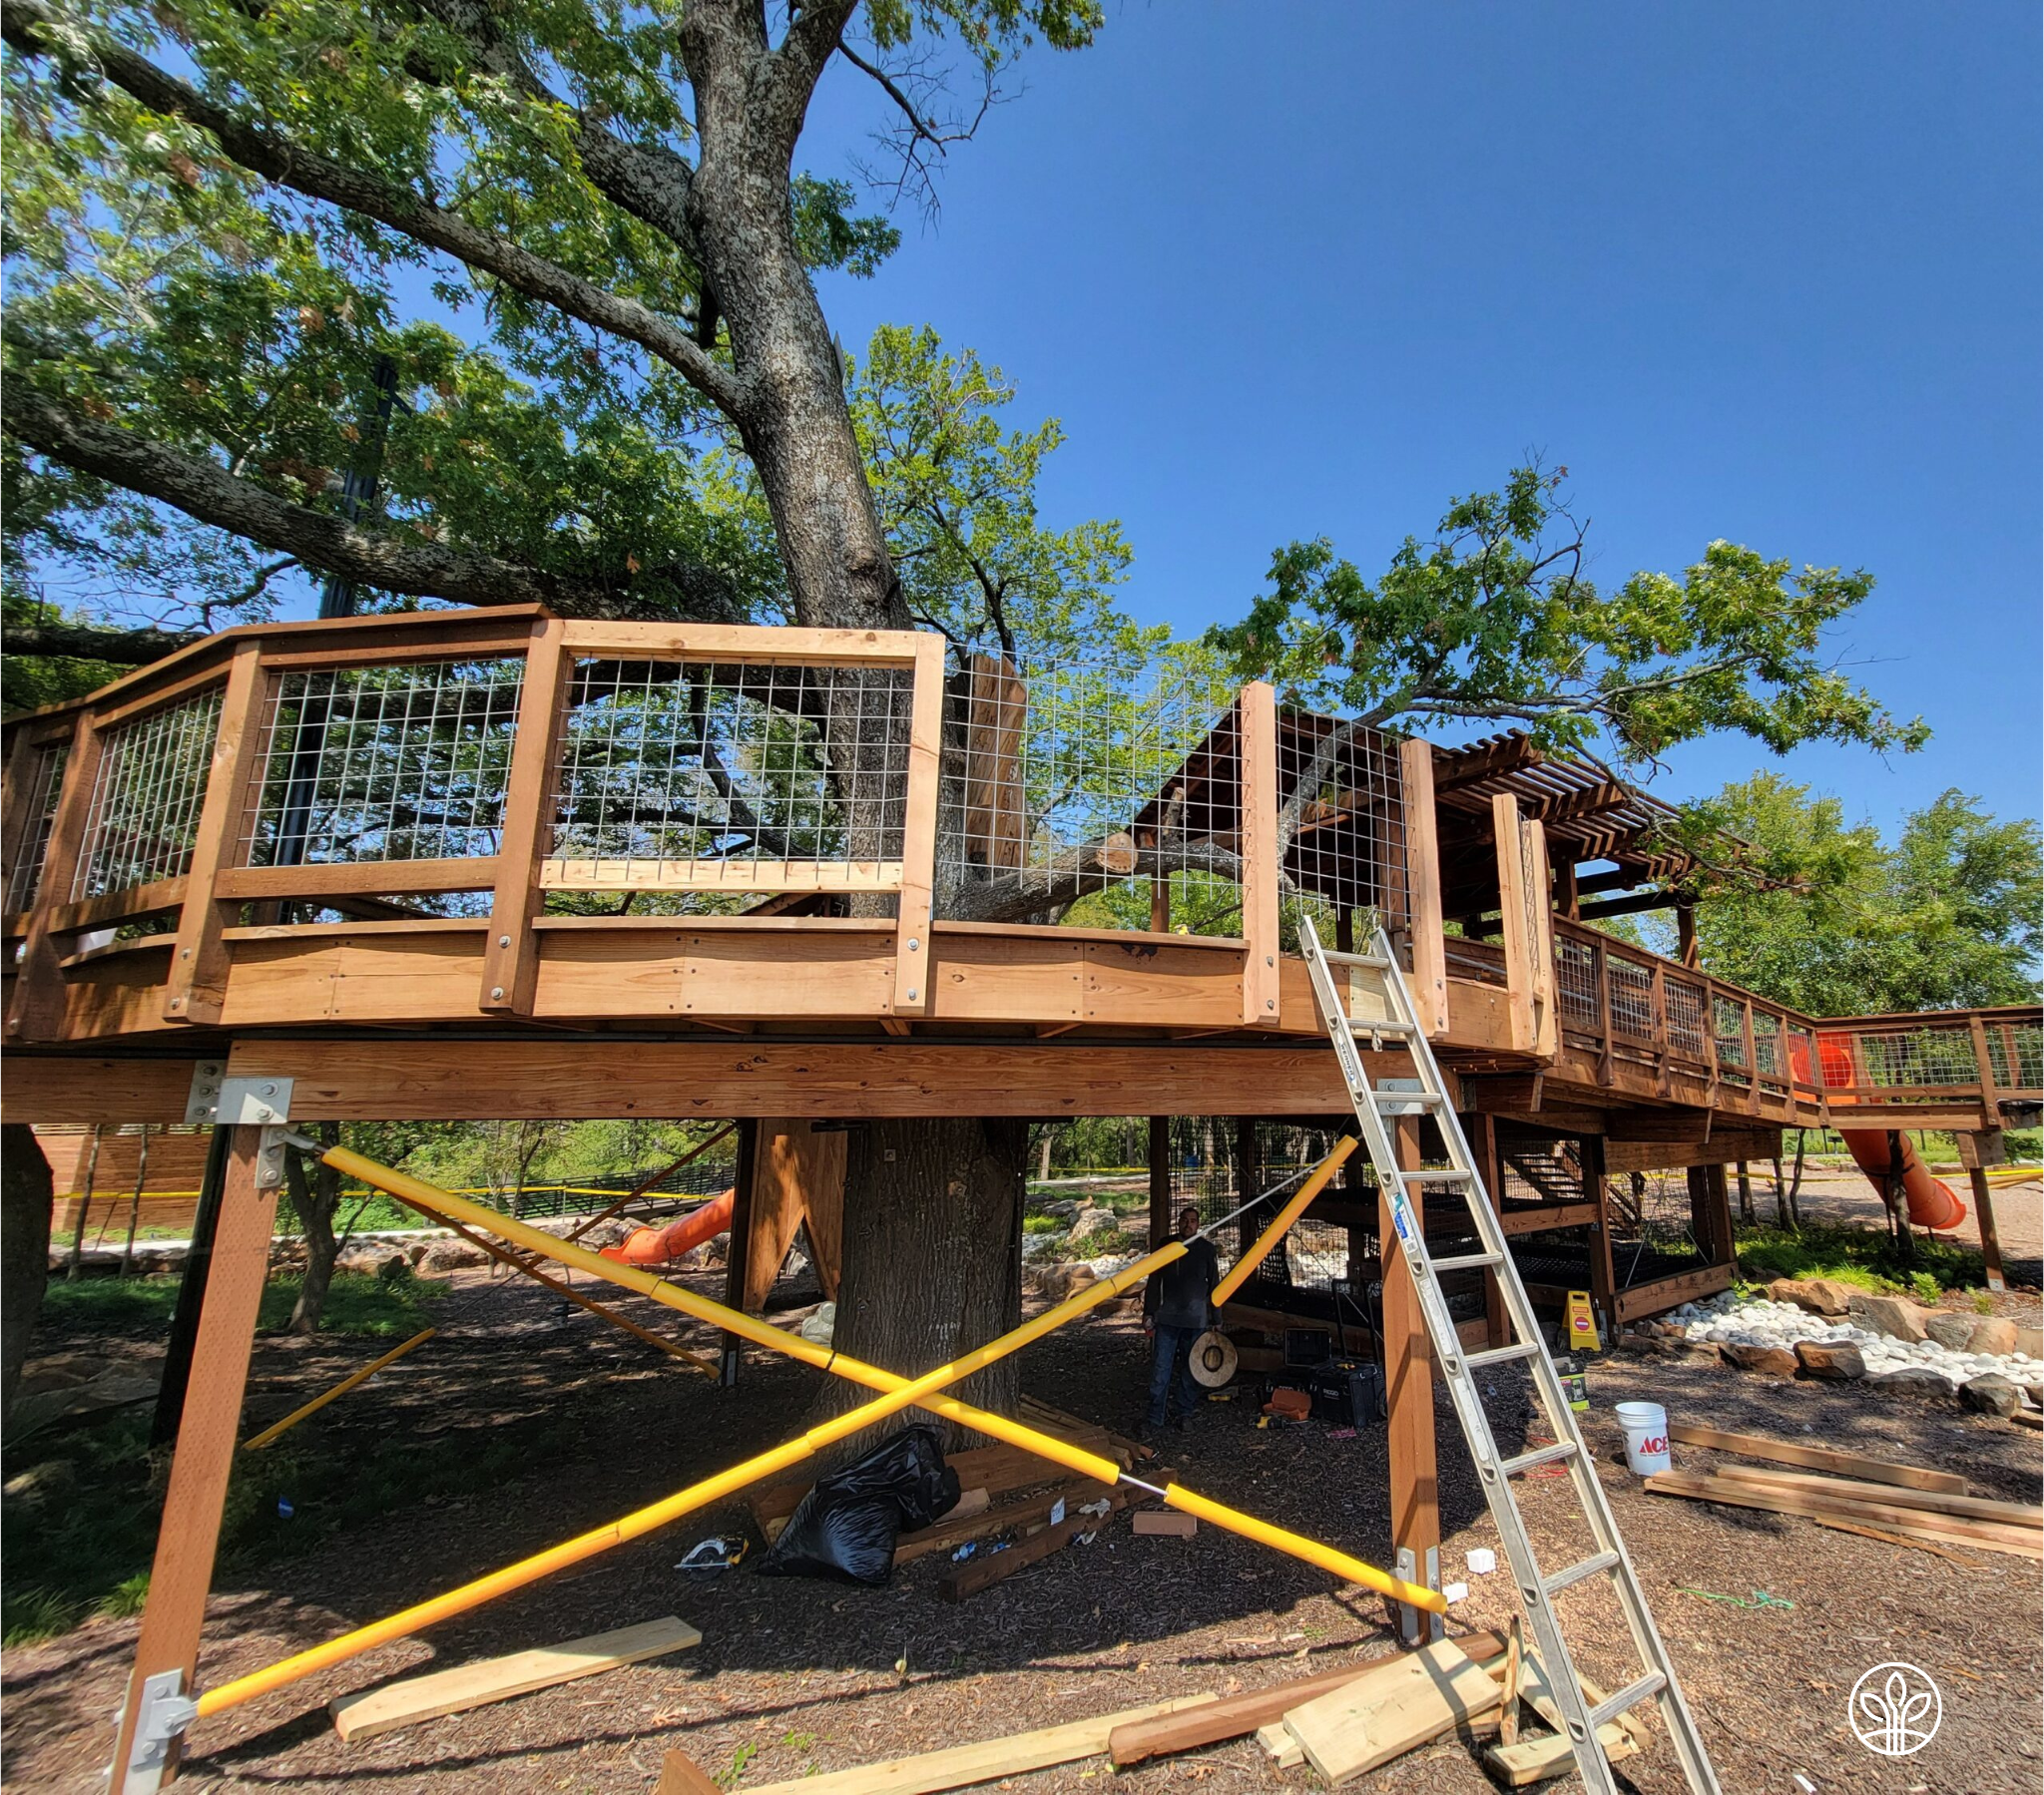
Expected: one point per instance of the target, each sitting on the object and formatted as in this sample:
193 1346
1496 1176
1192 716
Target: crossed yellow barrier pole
276 1428
898 1392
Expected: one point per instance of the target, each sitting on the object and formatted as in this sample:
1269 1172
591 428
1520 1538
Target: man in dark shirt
1178 1308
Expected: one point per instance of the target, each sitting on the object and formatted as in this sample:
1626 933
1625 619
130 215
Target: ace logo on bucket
1896 1709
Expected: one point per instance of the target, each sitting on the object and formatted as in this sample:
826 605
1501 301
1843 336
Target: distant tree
1946 917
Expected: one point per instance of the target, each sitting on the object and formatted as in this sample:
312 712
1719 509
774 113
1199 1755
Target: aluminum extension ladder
1375 978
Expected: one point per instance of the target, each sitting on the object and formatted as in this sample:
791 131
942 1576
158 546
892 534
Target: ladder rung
1542 1455
1375 962
1627 1698
1497 1355
1467 1263
1450 1176
1602 1560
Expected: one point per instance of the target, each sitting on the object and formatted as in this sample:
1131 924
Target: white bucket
1646 1436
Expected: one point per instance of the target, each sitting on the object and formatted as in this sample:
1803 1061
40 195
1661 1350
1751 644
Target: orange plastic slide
662 1246
1933 1204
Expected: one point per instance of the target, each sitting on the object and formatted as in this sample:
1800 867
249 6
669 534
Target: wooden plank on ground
949 1533
1247 1713
1390 1710
1972 1508
1816 1458
680 1774
967 1579
1914 1541
2024 1542
497 1680
962 1765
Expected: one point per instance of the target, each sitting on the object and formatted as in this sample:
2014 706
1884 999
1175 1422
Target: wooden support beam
1634 905
198 983
1160 1180
1261 904
511 953
1602 1279
798 1175
1423 887
189 1532
1686 948
1485 760
1409 1396
1514 909
914 954
1977 1151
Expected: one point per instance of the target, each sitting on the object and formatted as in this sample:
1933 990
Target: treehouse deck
472 863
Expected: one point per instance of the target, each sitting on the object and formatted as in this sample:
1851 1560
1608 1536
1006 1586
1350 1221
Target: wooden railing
1633 1008
440 770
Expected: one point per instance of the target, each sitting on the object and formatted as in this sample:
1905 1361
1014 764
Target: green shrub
1863 1257
1042 1224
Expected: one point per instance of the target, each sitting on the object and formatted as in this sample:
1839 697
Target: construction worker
1177 1307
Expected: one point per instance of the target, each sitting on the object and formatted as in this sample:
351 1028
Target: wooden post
1481 1132
1663 1045
1540 938
735 1266
1600 970
1709 1208
1977 1151
1423 887
190 1531
1686 935
511 949
1514 913
185 1318
1409 1396
1260 892
197 983
1160 1180
1991 1095
1752 1056
1248 1180
914 954
797 1174
1568 901
38 1010
1159 903
1602 1278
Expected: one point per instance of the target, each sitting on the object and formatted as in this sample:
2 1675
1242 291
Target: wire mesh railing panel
145 798
2016 1052
1906 1057
699 777
40 793
384 763
1687 1031
1078 783
1728 1022
1341 818
1575 982
1769 1055
1632 998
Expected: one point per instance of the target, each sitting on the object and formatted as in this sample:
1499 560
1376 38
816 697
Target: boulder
454 1255
1821 1296
1837 1362
1896 1316
1993 1335
1911 1380
1949 1329
2029 1342
1776 1361
1991 1395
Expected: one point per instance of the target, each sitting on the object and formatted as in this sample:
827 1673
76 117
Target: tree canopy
1946 915
1493 620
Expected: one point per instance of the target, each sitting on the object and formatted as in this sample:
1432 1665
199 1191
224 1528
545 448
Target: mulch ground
794 1675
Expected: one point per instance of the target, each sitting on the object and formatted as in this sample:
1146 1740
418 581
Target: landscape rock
1991 1395
1840 1363
1896 1316
1776 1361
1821 1296
2029 1342
1993 1335
1911 1380
454 1255
1949 1329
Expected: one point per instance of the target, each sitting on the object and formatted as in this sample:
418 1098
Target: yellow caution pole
998 1427
1281 1224
341 1389
899 1393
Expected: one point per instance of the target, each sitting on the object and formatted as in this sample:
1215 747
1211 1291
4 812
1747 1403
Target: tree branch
386 561
1029 892
81 642
276 157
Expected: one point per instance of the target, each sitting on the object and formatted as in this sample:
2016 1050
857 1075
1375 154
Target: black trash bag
846 1525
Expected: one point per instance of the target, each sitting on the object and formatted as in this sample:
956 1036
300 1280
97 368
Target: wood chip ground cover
793 1674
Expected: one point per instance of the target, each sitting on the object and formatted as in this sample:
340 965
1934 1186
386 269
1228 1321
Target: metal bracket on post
1417 1626
165 1712
253 1102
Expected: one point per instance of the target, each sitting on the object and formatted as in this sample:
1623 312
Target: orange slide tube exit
1933 1204
662 1246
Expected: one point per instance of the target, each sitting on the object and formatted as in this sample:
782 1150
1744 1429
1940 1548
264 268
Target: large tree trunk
315 1199
932 1251
26 1190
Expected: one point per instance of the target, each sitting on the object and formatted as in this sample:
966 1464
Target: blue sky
1762 273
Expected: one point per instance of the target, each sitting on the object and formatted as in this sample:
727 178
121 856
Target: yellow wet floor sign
1582 1327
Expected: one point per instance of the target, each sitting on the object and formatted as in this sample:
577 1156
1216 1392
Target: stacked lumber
1391 1709
1906 1505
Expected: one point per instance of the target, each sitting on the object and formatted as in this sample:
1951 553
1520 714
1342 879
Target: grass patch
1864 1257
1042 1224
380 1307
